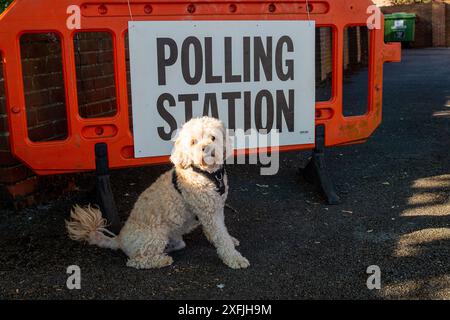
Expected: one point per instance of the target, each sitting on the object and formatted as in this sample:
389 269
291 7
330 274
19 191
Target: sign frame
293 92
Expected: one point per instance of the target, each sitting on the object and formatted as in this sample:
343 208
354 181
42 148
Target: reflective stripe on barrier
76 152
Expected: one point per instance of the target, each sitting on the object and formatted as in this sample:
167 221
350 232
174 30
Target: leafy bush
4 4
398 2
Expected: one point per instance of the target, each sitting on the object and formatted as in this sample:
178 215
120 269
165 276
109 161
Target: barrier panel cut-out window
127 61
96 84
324 63
356 71
44 89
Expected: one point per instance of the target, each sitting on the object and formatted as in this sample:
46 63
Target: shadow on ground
395 214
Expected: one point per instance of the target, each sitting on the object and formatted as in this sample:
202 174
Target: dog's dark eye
193 141
213 138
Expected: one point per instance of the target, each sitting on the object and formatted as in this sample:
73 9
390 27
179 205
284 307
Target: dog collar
217 177
175 181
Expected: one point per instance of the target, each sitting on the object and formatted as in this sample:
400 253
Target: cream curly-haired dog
193 193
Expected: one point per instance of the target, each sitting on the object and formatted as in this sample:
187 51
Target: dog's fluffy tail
87 224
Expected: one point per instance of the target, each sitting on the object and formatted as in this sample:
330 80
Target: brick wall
346 53
325 59
447 24
94 58
438 24
43 87
45 101
356 48
432 22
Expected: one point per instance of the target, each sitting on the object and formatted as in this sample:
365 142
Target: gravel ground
395 214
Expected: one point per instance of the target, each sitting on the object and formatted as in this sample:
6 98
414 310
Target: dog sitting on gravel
192 194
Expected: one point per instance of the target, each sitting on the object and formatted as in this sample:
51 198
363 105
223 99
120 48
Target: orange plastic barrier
76 153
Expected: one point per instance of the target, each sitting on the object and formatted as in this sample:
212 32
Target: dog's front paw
235 241
236 261
151 262
175 245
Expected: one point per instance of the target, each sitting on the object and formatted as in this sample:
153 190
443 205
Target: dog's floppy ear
179 157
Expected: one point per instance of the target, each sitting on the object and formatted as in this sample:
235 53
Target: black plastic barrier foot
105 198
316 172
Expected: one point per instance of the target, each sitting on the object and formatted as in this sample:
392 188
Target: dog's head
202 142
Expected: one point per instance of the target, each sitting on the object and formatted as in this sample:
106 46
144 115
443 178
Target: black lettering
229 77
289 75
285 110
164 62
263 57
166 116
247 59
210 104
198 55
247 111
266 95
188 99
231 97
210 78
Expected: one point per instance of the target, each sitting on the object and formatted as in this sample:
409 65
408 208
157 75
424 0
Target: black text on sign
251 75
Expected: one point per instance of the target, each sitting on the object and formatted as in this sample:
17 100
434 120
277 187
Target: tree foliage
399 2
4 4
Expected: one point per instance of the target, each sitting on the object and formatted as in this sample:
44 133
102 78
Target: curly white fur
161 215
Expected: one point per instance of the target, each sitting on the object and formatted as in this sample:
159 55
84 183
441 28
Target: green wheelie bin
399 27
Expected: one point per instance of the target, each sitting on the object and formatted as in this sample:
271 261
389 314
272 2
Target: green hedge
400 2
4 4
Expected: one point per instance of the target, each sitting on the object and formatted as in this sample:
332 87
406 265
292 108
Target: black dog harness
216 177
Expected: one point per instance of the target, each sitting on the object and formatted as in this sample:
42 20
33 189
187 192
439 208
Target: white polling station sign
250 74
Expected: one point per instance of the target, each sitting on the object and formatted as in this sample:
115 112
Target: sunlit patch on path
430 197
411 244
431 288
